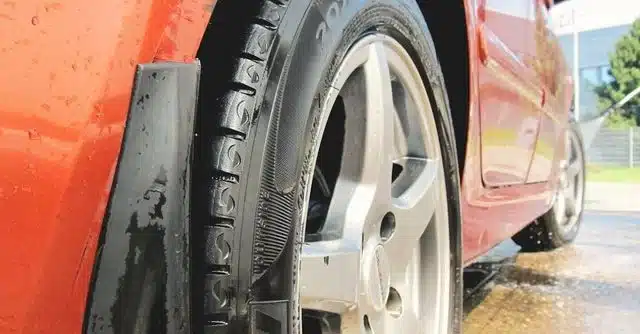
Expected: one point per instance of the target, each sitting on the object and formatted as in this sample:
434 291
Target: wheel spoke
379 119
561 207
401 146
350 207
408 295
408 323
414 208
329 276
376 244
353 322
573 168
331 269
570 204
383 322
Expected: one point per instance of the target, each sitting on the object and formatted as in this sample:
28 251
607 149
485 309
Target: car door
545 55
510 94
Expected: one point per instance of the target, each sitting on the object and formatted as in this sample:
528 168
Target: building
596 25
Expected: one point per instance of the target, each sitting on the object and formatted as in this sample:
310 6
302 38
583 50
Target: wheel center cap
377 278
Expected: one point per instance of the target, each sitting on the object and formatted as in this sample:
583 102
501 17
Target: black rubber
140 280
544 233
265 67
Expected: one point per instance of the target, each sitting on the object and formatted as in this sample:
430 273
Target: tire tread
235 114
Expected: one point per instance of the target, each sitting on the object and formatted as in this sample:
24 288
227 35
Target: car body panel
67 78
510 96
546 58
494 212
68 70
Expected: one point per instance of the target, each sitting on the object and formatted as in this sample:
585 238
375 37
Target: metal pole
631 163
576 65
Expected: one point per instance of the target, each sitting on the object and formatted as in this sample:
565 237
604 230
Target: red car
272 166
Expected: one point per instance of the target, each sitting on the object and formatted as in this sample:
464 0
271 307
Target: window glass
590 76
604 74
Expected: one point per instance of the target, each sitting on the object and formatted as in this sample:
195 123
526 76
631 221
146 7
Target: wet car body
72 80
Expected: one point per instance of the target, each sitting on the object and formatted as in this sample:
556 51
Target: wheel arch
447 21
184 28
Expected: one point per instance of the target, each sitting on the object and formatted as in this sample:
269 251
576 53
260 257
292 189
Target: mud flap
269 317
140 281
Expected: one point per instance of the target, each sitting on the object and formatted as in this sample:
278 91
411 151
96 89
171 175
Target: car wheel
560 225
330 174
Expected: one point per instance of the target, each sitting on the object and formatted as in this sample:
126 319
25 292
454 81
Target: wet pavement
592 286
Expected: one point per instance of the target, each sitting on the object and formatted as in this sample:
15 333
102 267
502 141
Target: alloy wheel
569 203
376 253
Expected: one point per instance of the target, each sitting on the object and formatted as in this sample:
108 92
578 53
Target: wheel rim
569 204
381 258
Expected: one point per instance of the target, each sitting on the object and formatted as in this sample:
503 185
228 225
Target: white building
596 25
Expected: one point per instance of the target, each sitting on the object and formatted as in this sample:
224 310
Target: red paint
510 95
507 89
67 76
184 31
552 71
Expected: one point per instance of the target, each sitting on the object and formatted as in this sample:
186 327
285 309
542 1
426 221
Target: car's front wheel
333 181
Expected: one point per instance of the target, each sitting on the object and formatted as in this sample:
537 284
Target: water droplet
35 20
33 134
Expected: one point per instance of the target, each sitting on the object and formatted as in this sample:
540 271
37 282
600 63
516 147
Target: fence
615 147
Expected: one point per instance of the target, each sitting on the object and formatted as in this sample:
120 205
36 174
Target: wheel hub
380 259
376 276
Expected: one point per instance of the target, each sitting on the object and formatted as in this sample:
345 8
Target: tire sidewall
558 235
312 40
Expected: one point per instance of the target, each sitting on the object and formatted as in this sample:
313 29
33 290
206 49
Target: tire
551 231
257 127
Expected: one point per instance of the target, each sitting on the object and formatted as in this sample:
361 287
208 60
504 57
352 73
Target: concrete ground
613 196
592 286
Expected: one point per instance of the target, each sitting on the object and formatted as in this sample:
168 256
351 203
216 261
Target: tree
625 69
